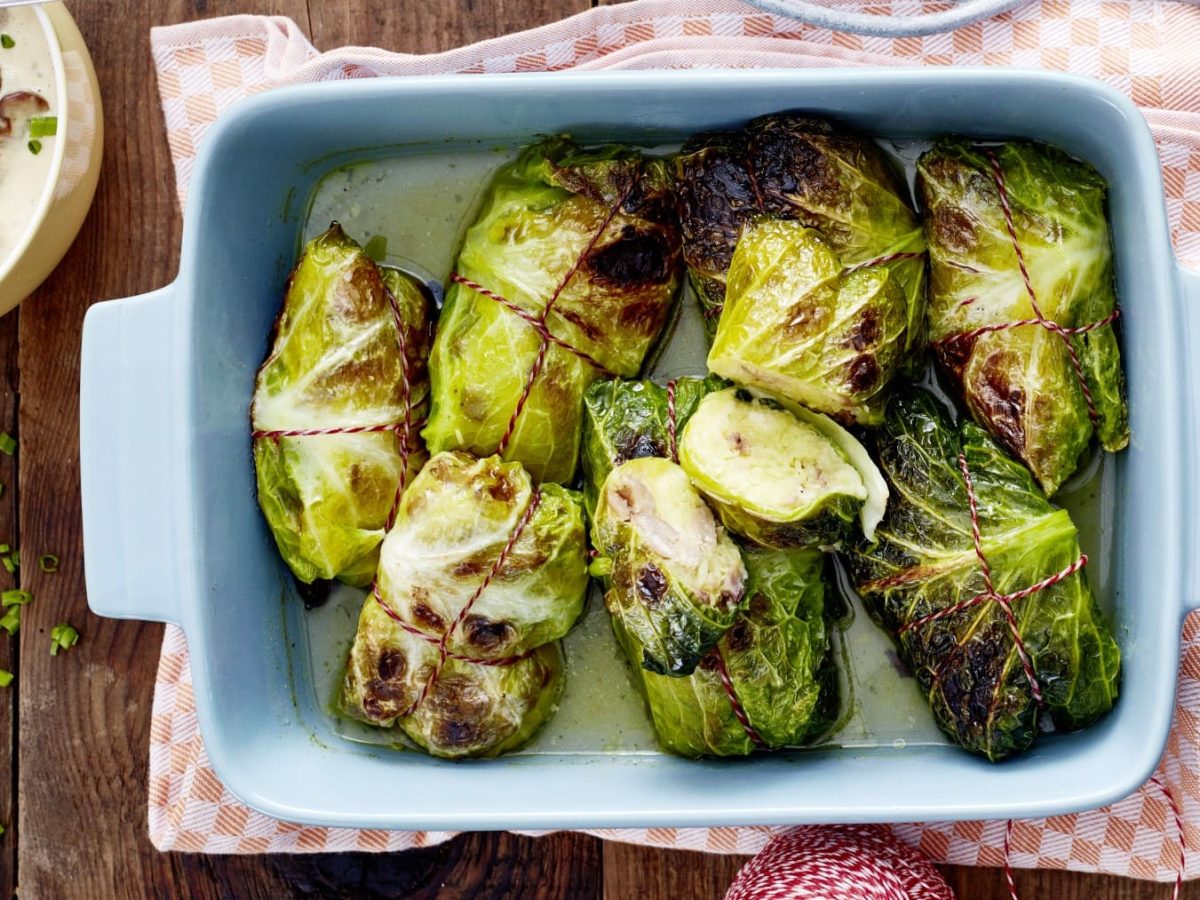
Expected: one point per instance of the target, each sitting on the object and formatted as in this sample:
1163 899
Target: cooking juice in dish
601 709
28 104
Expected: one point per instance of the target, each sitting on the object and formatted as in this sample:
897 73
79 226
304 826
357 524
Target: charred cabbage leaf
778 659
797 323
1020 383
453 545
924 561
772 478
549 221
672 576
471 710
336 362
790 167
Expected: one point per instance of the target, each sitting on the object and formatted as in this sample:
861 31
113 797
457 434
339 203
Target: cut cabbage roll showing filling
471 710
568 275
336 409
673 577
791 167
994 216
624 420
778 478
769 683
799 324
494 570
985 675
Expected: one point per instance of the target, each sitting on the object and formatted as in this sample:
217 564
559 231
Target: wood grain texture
79 825
9 647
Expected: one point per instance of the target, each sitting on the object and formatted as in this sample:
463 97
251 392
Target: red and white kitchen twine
405 430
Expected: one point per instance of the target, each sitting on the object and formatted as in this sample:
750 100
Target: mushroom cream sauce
25 65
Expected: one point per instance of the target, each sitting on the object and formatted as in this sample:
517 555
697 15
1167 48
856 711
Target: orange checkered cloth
1147 48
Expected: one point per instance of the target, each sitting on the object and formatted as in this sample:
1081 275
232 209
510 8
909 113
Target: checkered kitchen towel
1148 49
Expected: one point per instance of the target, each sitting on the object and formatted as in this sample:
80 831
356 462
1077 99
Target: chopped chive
4 548
43 126
9 566
48 562
15 598
5 680
7 42
7 442
15 556
62 637
376 248
35 147
11 620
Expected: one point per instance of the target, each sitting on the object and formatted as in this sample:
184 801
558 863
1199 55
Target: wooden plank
9 647
424 27
650 874
84 715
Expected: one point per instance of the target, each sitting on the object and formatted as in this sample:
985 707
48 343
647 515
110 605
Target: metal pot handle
965 12
130 456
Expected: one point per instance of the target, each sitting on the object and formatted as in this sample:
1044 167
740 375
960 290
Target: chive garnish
7 42
6 678
48 562
62 637
15 597
35 147
43 126
7 443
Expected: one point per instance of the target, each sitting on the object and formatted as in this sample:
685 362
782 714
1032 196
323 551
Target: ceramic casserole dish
173 533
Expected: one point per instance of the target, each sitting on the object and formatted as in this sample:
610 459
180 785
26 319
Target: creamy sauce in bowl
26 67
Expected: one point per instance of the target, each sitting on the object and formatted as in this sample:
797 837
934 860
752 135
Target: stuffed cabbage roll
480 562
470 710
847 278
672 576
799 324
581 246
1021 383
924 564
773 477
342 357
777 659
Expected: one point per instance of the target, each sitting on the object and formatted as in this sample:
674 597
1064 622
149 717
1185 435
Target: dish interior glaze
421 203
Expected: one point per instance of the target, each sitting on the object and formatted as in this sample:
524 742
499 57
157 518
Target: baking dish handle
128 457
1189 280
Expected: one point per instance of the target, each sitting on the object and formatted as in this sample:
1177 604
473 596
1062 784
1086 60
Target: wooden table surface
75 727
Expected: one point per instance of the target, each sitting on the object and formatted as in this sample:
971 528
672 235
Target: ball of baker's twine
841 862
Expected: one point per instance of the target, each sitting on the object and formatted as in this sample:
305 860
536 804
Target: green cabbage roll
672 575
773 477
1021 383
583 241
337 361
778 660
798 324
471 710
476 554
924 564
806 319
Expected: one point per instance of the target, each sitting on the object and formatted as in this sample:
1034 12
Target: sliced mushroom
20 105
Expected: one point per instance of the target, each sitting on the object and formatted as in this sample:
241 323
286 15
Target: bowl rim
46 200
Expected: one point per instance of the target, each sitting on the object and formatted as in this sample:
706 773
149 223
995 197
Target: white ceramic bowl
74 168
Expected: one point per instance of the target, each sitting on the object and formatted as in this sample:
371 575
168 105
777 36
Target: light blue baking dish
173 534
